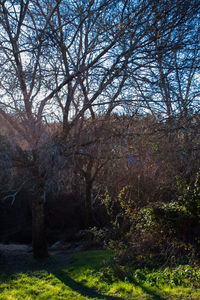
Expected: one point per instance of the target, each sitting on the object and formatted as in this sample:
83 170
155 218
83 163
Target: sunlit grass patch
36 285
182 281
90 276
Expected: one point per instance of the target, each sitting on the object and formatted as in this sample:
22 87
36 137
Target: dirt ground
12 249
14 257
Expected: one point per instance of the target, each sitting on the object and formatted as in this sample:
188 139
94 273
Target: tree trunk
40 249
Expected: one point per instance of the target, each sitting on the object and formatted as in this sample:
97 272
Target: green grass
90 276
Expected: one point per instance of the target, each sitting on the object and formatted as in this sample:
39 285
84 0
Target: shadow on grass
79 288
90 293
146 290
55 267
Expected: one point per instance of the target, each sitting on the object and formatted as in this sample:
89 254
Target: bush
190 196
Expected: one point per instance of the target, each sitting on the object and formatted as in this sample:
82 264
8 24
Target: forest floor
67 274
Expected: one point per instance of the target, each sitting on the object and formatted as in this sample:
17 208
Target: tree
41 63
66 61
171 83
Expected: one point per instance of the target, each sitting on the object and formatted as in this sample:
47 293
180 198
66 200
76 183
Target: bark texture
39 243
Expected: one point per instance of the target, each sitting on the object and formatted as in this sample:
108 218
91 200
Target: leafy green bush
179 276
190 196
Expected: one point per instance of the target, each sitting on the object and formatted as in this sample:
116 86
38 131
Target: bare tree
67 61
166 84
48 50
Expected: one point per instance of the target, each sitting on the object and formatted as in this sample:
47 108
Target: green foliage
99 236
183 275
170 215
122 197
190 196
145 219
106 200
